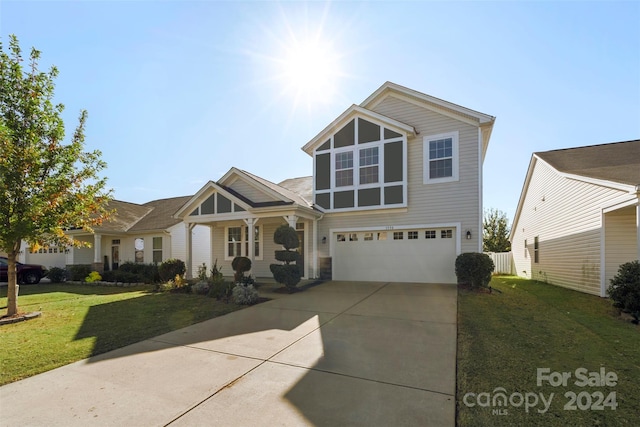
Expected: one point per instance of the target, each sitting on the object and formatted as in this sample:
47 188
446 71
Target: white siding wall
620 240
431 203
566 216
200 243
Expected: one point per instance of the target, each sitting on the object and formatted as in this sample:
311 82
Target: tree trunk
12 290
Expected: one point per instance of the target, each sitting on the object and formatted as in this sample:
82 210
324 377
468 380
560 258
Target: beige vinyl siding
620 240
566 215
251 192
450 202
260 268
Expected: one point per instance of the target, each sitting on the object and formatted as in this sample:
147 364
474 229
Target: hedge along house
578 217
242 212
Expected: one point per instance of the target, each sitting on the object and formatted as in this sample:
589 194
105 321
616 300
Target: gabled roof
345 117
616 162
283 191
280 195
153 215
302 186
389 88
126 216
161 215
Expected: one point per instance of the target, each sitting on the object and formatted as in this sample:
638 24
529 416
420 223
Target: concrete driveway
341 353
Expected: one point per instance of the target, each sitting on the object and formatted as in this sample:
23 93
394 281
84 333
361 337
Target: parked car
27 273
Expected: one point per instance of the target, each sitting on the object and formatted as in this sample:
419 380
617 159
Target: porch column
291 220
68 254
211 254
98 265
188 228
251 222
97 248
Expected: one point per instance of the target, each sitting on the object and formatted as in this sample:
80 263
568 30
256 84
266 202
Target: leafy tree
495 236
46 187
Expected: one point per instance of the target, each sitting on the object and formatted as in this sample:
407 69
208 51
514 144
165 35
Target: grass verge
504 337
80 321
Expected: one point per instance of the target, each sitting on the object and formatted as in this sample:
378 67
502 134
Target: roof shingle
617 162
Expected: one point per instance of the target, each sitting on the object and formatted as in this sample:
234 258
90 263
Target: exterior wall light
468 234
324 240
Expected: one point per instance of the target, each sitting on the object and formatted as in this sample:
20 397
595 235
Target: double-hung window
369 162
238 242
344 169
440 158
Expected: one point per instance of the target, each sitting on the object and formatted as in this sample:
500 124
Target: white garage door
420 255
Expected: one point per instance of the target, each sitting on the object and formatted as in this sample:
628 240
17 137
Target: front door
300 250
115 257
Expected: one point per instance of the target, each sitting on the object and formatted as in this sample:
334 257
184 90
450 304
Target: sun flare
310 70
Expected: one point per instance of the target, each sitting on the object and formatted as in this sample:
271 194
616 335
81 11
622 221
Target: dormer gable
360 162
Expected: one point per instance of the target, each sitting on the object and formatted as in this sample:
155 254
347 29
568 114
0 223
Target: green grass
504 337
80 321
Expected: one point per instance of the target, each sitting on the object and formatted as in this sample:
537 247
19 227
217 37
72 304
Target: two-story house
396 195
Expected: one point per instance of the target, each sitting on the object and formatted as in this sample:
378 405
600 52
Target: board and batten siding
566 216
448 202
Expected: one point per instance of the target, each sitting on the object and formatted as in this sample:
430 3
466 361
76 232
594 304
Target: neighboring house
396 195
578 216
146 233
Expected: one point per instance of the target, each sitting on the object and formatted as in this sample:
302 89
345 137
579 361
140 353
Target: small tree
495 236
288 274
46 187
625 289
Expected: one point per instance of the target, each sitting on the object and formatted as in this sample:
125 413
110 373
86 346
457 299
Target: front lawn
503 338
79 321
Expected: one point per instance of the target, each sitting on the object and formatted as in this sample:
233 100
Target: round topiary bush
240 264
474 269
625 289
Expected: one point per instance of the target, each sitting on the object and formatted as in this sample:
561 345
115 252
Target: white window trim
455 154
244 241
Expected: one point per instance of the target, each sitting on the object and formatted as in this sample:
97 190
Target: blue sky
178 92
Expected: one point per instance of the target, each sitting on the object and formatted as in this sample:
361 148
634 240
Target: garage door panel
421 259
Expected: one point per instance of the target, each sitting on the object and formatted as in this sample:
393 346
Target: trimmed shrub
200 288
57 274
625 289
474 269
286 236
144 273
94 276
240 264
245 295
78 272
287 274
220 290
171 268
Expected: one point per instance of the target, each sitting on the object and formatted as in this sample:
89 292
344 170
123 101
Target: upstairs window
440 158
369 161
344 169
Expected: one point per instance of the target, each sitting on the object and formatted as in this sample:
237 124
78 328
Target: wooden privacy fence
503 262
